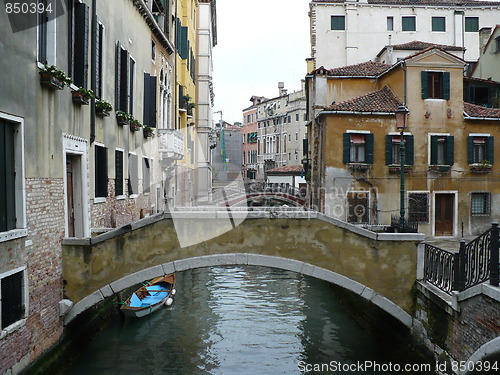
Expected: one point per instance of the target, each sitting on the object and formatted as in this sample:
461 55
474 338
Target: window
149 102
435 85
99 53
13 301
409 23
390 23
12 198
133 174
442 149
296 117
471 24
438 24
497 44
358 148
357 207
131 86
418 207
121 84
80 61
101 171
392 149
47 33
338 22
480 204
118 172
146 175
480 149
153 50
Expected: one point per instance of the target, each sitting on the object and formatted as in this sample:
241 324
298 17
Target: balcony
171 144
269 156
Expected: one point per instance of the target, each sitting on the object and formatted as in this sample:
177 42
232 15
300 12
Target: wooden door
70 202
443 214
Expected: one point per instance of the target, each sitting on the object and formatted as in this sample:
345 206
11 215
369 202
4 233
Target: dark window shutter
7 178
98 58
425 84
184 43
178 35
490 149
12 299
434 148
470 149
123 104
42 34
101 171
347 148
388 149
152 102
147 98
446 85
80 71
131 84
450 143
118 75
305 146
409 153
369 148
118 172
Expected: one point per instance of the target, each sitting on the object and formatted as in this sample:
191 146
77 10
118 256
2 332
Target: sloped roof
382 100
289 169
474 110
365 69
419 45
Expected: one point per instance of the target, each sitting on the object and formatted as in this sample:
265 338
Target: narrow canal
244 320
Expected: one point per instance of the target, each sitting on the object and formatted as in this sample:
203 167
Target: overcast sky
259 43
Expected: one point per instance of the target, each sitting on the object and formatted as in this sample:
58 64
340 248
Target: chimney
281 88
484 36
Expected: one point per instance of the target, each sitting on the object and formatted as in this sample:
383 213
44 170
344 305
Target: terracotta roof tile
382 100
419 45
287 169
474 110
365 69
421 2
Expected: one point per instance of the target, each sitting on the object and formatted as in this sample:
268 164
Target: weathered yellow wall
387 267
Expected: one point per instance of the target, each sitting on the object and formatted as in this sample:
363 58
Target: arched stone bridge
379 267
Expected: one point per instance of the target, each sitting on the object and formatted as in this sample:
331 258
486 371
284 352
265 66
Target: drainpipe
93 70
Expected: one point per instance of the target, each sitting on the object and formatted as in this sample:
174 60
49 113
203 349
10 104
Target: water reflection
234 320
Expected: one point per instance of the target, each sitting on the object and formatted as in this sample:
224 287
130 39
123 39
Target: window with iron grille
480 204
418 207
12 305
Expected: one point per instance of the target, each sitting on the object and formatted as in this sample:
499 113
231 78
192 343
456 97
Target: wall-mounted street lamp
401 116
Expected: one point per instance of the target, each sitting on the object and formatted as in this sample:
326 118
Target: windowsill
395 168
99 200
120 197
440 168
13 234
480 168
435 99
358 166
133 196
12 328
480 215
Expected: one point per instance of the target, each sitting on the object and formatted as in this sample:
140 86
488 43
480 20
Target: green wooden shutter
118 74
98 59
446 85
470 149
490 149
409 151
305 146
369 148
101 171
118 172
184 43
434 148
425 84
145 104
450 144
124 80
81 64
388 149
7 178
152 102
347 148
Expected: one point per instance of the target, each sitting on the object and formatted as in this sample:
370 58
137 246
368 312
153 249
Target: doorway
74 196
443 214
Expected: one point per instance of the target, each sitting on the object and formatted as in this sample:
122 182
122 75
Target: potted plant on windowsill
482 167
135 125
102 108
54 78
82 96
190 108
123 118
148 131
394 168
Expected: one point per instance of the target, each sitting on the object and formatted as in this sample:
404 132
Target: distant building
340 35
227 155
249 133
489 60
280 130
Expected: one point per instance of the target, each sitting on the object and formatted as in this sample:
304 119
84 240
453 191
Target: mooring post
494 254
459 268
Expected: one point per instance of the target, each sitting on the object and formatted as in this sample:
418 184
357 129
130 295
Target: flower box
393 168
47 79
79 98
358 166
101 112
148 132
480 168
122 118
135 126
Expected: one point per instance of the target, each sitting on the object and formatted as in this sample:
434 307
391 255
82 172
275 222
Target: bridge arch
485 353
242 259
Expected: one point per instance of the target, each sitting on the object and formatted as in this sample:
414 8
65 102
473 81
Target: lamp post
401 114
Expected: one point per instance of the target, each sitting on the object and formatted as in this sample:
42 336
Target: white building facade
350 32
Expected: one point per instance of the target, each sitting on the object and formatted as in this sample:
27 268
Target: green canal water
247 320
